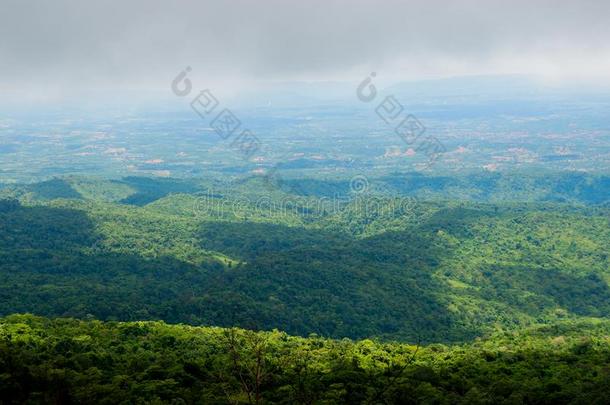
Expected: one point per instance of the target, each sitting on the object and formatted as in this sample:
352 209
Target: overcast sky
55 47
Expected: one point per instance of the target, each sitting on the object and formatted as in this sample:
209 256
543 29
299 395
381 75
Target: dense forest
493 300
75 361
433 270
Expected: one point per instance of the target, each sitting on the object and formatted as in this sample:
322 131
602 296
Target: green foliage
53 189
432 271
72 361
438 271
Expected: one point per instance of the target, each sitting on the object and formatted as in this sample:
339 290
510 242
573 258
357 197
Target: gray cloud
49 46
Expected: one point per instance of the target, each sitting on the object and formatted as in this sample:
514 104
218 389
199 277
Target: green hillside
373 265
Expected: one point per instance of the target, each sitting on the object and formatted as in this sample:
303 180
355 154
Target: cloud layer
59 45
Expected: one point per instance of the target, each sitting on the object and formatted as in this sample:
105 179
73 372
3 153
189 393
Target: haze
61 48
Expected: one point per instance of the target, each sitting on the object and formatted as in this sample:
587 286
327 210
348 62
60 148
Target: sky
57 48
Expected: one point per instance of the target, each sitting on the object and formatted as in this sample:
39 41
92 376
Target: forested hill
519 186
402 268
71 361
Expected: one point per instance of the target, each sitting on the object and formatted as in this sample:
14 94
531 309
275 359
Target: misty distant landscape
308 133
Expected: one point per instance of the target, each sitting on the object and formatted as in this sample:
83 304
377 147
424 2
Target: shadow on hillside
582 187
45 270
311 280
148 190
304 280
532 290
413 183
295 279
53 189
